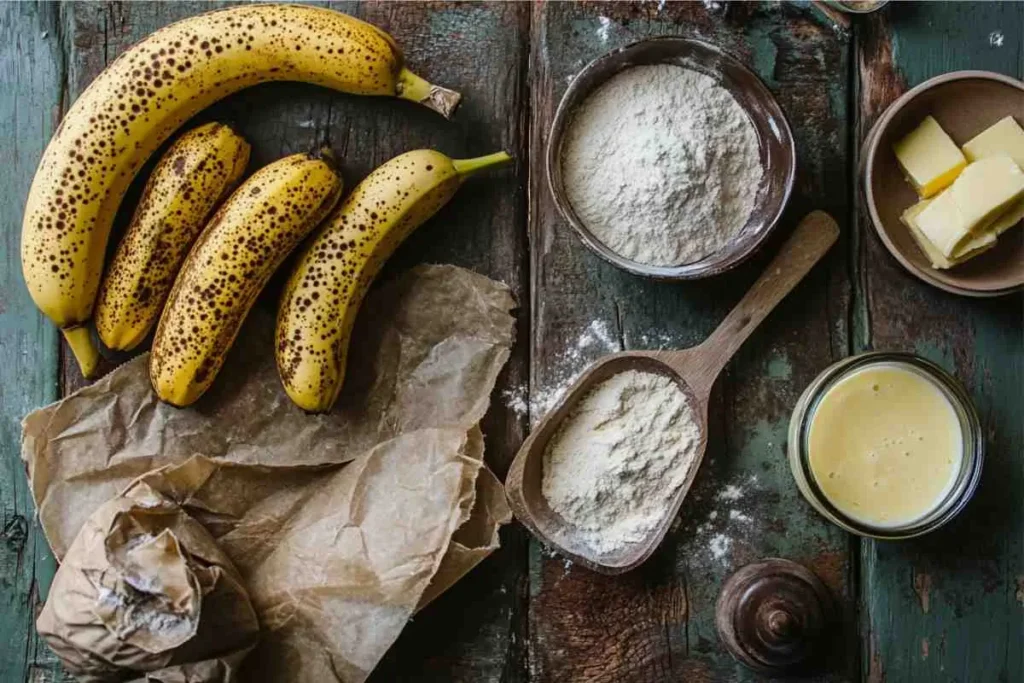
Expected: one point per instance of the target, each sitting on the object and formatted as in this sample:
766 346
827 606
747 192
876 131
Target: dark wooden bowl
775 140
964 103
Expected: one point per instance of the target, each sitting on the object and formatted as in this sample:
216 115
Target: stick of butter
1004 137
982 192
971 248
929 158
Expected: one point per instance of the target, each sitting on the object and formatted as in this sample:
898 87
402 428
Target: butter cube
929 158
969 249
1003 138
982 193
1007 220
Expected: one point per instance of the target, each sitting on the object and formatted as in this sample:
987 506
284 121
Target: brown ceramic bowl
778 154
964 103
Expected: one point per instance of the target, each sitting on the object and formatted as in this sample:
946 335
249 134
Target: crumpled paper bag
145 588
336 559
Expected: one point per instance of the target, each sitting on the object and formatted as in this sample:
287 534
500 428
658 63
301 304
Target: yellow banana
196 173
244 242
328 283
145 95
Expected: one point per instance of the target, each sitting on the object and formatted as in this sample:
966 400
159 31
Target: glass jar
973 451
854 7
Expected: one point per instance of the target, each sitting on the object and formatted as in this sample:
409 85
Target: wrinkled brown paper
144 587
335 559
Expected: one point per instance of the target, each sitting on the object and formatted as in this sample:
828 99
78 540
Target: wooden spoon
694 369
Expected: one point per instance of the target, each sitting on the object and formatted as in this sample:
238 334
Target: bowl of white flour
670 159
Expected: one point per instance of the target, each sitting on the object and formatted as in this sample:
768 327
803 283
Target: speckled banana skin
324 291
151 90
244 242
196 173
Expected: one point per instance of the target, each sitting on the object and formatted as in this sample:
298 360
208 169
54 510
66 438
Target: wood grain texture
32 64
948 606
657 622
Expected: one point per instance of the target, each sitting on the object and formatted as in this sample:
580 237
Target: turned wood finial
773 616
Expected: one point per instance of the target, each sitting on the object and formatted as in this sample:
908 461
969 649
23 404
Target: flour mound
662 165
618 459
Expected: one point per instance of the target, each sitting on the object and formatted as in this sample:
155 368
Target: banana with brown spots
326 287
196 173
146 94
243 244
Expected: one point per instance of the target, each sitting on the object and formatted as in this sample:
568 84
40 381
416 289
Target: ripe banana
196 173
324 291
244 242
145 95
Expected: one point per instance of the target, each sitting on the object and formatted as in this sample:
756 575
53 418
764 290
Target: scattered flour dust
662 164
730 492
738 516
614 465
719 533
515 400
720 544
595 340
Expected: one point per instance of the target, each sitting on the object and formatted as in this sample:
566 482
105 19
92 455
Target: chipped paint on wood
876 669
923 588
959 593
779 368
33 60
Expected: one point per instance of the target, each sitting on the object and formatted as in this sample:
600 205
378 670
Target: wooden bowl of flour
774 141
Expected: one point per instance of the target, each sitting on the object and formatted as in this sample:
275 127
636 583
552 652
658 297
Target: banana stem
82 345
441 100
467 167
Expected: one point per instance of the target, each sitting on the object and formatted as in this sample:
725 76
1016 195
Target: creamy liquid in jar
885 445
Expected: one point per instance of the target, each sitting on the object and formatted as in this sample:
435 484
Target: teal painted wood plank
949 606
31 73
656 623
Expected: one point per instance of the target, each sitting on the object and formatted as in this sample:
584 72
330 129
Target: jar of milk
886 445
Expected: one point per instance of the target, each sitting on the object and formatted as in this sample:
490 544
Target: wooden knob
773 616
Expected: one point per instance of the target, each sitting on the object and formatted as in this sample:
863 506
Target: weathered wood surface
657 622
949 607
31 70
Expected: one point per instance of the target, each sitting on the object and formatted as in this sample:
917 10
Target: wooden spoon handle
805 247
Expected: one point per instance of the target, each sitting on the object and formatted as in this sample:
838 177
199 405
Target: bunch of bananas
201 275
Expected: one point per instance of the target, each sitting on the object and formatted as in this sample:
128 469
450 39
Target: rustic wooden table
948 607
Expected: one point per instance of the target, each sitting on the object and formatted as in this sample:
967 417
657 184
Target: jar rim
973 449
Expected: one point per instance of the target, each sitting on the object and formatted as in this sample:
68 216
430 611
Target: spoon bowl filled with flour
670 159
605 471
614 462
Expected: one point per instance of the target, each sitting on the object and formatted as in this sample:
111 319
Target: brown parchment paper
145 589
335 558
